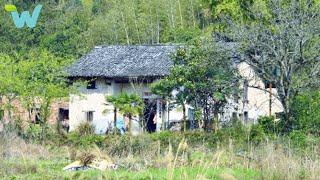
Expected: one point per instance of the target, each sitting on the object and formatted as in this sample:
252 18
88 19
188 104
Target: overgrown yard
45 169
230 154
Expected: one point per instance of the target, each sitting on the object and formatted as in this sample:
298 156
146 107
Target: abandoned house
111 70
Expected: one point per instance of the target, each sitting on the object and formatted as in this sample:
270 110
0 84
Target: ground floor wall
58 113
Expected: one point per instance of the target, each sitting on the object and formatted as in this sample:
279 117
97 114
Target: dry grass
20 149
271 160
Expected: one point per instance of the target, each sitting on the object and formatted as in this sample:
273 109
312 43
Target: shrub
87 140
306 112
85 128
268 124
298 138
32 133
257 134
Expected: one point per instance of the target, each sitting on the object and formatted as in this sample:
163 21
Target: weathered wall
258 99
94 100
19 112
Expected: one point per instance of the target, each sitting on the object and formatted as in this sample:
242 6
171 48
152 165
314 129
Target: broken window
37 118
91 84
63 114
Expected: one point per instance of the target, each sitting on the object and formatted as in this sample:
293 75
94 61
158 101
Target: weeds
170 156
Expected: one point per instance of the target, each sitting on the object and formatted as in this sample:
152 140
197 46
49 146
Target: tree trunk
162 113
125 29
193 16
184 118
130 124
151 21
115 121
136 24
215 121
180 12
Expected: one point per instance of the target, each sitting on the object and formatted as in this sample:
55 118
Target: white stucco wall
94 100
89 100
258 100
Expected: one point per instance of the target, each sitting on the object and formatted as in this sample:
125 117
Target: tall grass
147 157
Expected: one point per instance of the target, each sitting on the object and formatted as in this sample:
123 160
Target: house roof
124 61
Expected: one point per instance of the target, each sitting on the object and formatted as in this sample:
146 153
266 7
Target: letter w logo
19 21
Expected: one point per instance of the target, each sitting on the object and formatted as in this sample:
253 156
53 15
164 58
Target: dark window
91 84
37 119
70 81
246 117
108 81
267 85
89 115
190 114
63 114
234 115
1 114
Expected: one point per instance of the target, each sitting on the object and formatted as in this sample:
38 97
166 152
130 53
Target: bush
268 124
32 133
306 112
234 130
85 128
257 134
86 140
298 138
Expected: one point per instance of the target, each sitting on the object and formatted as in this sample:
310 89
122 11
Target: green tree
127 104
44 80
116 104
281 45
163 88
204 77
306 111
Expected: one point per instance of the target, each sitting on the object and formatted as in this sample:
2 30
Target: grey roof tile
124 61
133 60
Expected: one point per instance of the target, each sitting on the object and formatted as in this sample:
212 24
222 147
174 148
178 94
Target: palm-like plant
114 101
127 104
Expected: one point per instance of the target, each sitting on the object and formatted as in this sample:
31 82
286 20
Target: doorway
64 118
150 112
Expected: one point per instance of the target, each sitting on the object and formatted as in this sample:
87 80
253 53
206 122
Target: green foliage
201 73
129 104
85 128
180 35
268 124
32 133
35 79
84 141
298 138
71 28
234 130
257 134
306 112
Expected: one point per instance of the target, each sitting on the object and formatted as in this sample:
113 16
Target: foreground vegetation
235 152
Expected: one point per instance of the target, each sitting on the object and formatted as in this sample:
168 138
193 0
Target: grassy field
44 169
142 158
